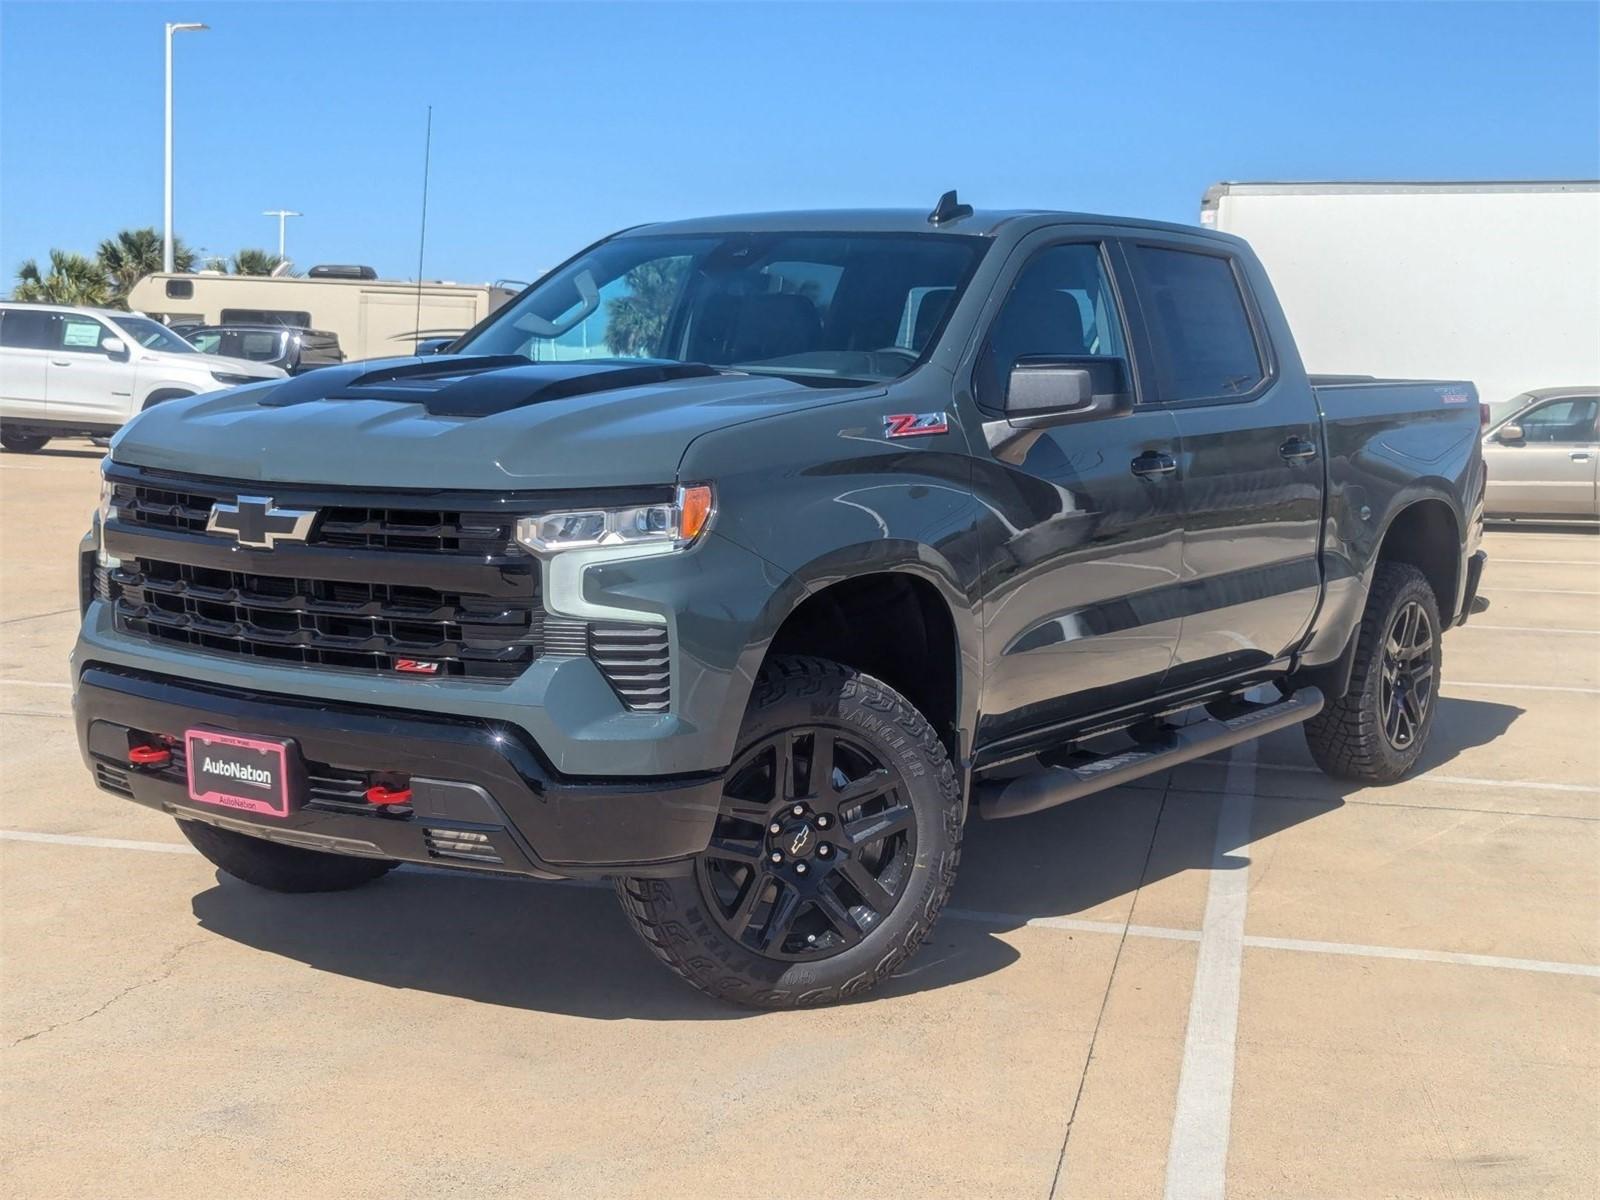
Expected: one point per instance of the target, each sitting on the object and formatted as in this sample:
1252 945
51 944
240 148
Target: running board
1049 786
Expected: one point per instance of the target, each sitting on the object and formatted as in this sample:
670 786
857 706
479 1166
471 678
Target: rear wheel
836 847
1377 730
279 868
22 443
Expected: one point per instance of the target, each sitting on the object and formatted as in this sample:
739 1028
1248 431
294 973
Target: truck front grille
428 585
381 583
328 623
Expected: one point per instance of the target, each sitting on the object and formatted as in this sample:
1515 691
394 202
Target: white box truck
1494 282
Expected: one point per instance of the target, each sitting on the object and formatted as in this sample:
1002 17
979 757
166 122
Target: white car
74 372
1544 459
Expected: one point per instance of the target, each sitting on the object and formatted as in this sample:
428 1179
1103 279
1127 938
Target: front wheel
22 443
1377 730
835 850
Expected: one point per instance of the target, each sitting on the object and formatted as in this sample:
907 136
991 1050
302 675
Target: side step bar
1050 786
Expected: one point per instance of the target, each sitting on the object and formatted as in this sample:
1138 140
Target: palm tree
73 279
255 262
637 321
135 253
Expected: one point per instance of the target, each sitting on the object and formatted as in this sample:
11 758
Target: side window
1567 421
23 330
1061 306
81 335
1204 345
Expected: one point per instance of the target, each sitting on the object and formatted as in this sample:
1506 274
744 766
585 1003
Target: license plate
233 771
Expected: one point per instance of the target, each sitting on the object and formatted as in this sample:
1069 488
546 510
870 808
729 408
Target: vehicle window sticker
81 335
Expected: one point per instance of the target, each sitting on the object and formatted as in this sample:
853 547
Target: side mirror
1051 391
114 346
1510 435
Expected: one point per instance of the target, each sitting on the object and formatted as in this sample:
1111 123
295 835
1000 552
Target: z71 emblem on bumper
901 425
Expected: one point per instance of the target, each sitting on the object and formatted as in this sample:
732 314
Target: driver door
1083 542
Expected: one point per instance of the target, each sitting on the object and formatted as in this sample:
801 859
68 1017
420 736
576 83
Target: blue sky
554 124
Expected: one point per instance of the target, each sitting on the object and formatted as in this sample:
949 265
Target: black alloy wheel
1406 688
814 846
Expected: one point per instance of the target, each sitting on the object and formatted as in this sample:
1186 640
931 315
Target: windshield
153 335
823 308
258 345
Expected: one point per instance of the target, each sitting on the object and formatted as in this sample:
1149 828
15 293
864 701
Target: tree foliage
636 322
255 262
71 279
134 253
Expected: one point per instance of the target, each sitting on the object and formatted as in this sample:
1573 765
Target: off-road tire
280 868
1346 738
22 443
672 915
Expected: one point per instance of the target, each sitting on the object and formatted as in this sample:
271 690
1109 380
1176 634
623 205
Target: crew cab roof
981 223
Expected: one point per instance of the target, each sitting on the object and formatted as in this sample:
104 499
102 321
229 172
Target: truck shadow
563 948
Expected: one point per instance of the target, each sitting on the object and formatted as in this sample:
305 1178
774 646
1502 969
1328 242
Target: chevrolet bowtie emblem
255 522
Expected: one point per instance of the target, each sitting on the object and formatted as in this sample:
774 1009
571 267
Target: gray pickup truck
742 560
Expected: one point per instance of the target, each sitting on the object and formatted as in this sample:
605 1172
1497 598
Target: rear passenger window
22 330
1205 347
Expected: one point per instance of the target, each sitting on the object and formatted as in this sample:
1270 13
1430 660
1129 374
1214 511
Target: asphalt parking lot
1242 974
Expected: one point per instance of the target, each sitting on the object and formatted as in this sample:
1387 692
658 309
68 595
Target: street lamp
281 214
166 227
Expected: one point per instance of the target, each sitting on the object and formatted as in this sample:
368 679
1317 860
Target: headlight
104 510
233 379
673 525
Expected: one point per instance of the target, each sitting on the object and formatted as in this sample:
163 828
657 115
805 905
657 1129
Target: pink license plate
230 771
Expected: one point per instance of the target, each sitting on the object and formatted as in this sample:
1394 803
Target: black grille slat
635 660
419 530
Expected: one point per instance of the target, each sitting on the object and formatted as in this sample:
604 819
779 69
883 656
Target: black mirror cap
1048 390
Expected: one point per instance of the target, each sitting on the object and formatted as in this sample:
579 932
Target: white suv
86 371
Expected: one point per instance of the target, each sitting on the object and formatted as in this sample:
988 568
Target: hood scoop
479 386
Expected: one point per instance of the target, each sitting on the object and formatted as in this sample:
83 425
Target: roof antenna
422 238
948 209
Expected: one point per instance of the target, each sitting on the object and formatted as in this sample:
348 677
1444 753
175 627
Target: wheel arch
1426 533
900 619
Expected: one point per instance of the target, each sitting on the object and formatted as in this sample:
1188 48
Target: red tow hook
385 796
148 756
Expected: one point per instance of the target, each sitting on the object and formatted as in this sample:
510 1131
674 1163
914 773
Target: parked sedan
287 346
1543 459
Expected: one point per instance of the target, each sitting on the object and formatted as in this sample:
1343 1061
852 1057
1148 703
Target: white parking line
1543 591
1520 687
1479 627
1533 785
1197 1155
33 683
1544 562
1007 920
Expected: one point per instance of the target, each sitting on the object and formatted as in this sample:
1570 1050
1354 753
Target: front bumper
467 775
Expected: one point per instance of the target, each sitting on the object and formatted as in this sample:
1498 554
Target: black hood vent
478 386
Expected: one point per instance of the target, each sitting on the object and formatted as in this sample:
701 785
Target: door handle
58 362
1580 456
1298 450
1153 464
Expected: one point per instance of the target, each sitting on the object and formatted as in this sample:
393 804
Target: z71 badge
901 425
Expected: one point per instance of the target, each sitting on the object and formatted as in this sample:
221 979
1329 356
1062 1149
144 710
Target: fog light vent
462 844
113 780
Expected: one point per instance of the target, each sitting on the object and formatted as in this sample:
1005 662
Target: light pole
166 214
281 214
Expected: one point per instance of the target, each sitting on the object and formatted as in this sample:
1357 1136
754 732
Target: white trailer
1494 282
373 318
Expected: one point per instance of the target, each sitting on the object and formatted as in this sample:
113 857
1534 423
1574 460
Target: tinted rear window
1204 344
26 330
